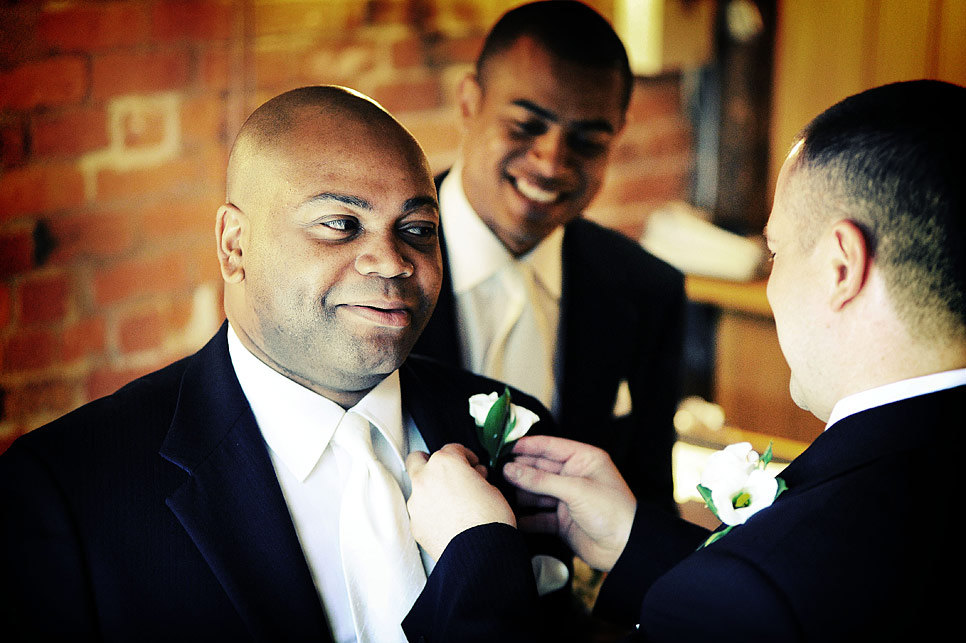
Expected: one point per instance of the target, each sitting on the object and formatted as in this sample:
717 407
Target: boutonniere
499 422
735 485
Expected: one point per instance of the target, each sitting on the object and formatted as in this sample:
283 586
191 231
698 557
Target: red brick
30 350
173 177
654 98
46 397
13 147
92 26
40 188
193 19
16 252
139 73
149 276
143 127
203 119
409 52
140 332
69 133
107 380
410 95
44 299
87 234
18 33
215 68
180 218
62 80
83 339
5 306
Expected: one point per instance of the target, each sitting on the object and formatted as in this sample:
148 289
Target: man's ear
470 96
850 263
231 236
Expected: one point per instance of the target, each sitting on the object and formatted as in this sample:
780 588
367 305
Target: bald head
328 240
275 131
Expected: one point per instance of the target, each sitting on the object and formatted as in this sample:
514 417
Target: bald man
204 501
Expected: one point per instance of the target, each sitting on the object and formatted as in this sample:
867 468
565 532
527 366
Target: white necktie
520 353
383 570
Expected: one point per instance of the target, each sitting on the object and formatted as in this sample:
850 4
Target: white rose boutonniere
499 422
735 485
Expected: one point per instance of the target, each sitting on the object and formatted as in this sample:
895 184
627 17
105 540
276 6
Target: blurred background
116 118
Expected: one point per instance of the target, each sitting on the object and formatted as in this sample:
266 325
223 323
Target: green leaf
766 457
493 433
706 496
716 535
781 486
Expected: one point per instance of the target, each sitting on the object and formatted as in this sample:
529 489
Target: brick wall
115 123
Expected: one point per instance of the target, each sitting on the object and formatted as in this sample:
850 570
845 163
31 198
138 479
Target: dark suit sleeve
45 586
657 542
482 589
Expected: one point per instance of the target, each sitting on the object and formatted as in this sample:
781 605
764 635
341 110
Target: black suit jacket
621 319
860 547
155 513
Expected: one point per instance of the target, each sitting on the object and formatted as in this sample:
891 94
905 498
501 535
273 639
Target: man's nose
381 255
549 152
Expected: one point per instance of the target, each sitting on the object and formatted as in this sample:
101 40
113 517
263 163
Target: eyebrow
410 204
598 124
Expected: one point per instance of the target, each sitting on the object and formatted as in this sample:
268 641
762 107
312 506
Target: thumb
415 462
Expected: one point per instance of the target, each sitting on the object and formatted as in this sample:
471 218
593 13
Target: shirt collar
475 254
298 423
895 392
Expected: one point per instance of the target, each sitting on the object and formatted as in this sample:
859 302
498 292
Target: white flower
736 486
511 422
521 419
737 503
729 466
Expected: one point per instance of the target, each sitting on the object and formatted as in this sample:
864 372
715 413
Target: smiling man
579 316
235 495
868 289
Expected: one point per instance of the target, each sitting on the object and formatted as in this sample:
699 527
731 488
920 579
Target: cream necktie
519 353
383 569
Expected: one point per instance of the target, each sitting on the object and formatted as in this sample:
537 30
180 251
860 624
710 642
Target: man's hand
586 500
450 495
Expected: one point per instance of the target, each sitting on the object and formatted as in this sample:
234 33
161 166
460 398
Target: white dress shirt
895 392
297 425
480 267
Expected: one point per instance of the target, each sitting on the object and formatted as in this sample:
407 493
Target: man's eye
529 127
422 231
341 224
586 146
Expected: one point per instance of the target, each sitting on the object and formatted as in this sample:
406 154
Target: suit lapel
591 379
232 506
439 409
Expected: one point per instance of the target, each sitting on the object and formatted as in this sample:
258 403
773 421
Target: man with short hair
868 289
533 294
255 490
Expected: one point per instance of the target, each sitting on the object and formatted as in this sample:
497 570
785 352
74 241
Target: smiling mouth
534 192
381 316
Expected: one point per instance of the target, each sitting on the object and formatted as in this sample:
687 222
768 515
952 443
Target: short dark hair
569 30
893 159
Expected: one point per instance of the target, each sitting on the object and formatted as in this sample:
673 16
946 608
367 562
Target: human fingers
547 446
540 482
527 500
415 462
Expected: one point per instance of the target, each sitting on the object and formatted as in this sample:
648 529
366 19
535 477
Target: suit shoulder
147 400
